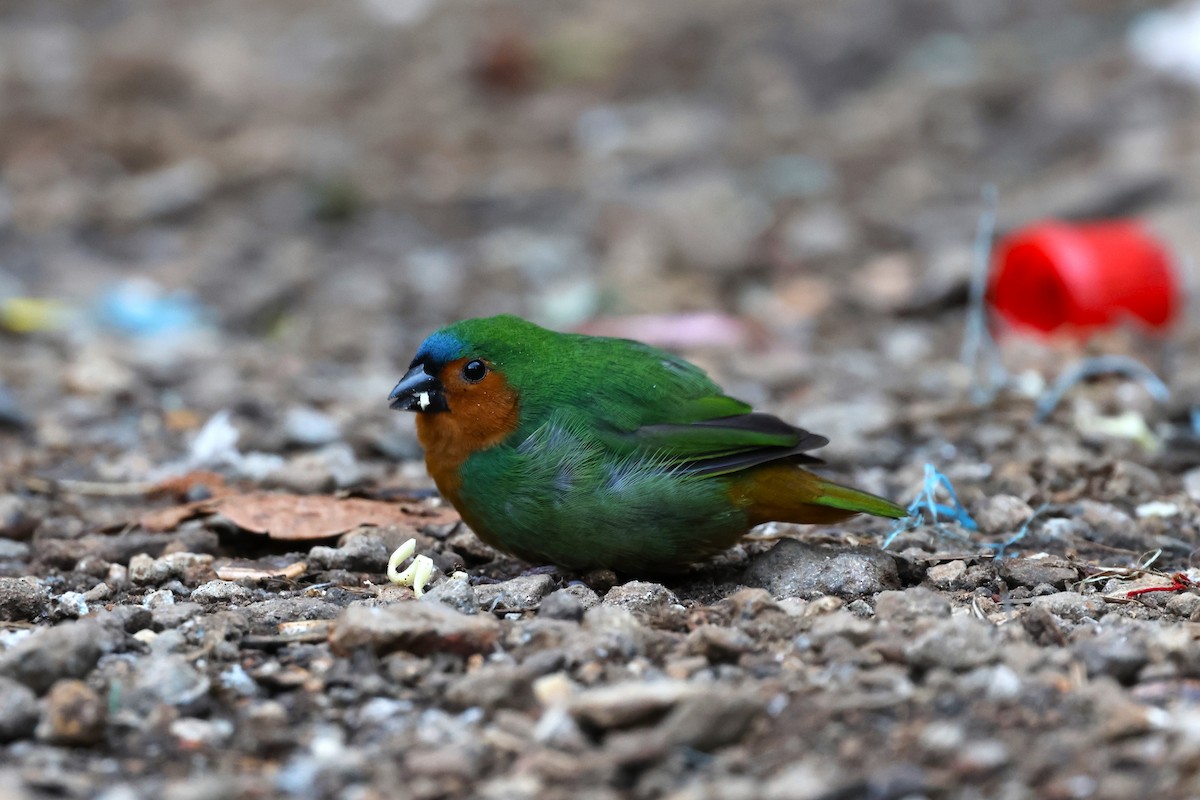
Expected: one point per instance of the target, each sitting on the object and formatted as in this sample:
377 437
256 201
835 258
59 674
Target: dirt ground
225 228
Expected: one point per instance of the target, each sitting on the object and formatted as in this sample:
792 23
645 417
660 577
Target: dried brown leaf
165 519
290 517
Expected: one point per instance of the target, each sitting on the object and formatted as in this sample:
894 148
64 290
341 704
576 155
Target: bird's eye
474 371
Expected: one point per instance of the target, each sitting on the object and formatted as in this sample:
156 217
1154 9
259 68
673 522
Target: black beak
418 391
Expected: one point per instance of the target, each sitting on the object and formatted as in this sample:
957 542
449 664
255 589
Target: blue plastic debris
926 504
1001 548
978 343
140 307
1124 366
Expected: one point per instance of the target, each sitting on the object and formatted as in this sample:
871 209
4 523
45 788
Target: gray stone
166 679
1119 652
705 723
1104 518
22 599
949 576
958 643
69 650
711 223
641 598
167 616
308 427
1072 605
267 614
609 631
454 593
492 686
419 628
624 704
15 523
524 591
13 551
168 190
331 467
795 569
569 603
360 551
1191 484
1002 513
189 567
1184 605
130 619
1052 570
910 605
842 623
18 710
221 592
807 780
719 644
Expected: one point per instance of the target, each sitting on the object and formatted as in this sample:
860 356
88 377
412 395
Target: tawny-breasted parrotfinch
593 452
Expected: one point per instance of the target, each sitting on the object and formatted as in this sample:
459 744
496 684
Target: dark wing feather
729 444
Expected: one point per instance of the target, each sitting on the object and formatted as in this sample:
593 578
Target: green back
617 383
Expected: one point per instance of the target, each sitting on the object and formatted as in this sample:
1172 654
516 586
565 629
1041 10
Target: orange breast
480 415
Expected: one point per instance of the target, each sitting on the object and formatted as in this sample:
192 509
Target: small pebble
522 592
22 599
454 593
948 576
18 710
1072 606
73 715
1002 514
641 598
957 643
69 650
568 603
795 569
419 628
219 591
1026 571
308 427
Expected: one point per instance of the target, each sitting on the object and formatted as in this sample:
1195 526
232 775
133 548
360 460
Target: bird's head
467 369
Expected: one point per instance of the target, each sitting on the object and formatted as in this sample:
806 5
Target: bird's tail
786 493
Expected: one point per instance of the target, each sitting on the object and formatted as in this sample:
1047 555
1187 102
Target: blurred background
206 204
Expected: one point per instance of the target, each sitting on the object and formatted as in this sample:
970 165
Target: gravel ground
224 229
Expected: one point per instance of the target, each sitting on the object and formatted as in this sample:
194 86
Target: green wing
644 403
725 444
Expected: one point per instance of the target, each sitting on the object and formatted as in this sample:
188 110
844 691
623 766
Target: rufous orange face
481 410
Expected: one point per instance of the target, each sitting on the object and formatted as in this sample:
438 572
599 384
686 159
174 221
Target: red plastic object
1053 275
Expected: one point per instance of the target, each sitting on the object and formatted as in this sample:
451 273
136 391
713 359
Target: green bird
591 452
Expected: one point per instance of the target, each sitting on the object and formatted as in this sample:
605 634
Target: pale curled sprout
417 574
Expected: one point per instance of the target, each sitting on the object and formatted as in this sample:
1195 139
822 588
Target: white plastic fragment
1128 425
417 574
1168 40
1157 508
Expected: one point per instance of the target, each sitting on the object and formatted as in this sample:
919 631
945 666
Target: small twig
1125 366
1141 567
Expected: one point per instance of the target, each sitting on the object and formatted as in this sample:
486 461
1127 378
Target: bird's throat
470 425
